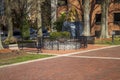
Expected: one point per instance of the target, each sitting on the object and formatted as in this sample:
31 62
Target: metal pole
112 38
113 34
22 37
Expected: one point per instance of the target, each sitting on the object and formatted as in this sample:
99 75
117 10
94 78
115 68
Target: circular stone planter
61 45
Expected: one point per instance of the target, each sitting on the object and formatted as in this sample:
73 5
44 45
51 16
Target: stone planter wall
57 45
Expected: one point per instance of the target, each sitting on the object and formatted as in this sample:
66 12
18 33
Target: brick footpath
72 67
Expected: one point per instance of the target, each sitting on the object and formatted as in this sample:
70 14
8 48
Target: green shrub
65 34
25 29
54 35
59 23
58 35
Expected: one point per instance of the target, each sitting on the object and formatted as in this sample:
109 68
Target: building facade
64 6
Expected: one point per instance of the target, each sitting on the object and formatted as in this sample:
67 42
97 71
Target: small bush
65 34
25 29
58 35
59 23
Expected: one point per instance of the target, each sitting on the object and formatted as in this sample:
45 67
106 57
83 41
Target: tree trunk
9 18
104 19
39 21
10 27
10 38
1 46
53 13
86 31
106 24
1 21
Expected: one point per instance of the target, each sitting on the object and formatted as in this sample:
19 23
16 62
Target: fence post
39 44
113 34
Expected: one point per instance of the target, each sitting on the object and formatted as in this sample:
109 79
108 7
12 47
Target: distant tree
20 14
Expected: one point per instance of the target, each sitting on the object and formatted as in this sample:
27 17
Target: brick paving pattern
68 68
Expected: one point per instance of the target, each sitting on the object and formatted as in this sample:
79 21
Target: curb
90 50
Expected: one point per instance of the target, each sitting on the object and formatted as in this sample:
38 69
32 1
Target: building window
116 1
98 19
62 2
117 18
98 1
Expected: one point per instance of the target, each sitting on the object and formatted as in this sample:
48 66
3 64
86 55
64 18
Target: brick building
95 13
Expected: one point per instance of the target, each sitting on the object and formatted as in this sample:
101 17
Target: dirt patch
7 53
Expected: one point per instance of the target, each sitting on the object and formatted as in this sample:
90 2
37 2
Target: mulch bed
106 39
5 51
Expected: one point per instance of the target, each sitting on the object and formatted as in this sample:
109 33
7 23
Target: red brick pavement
67 68
111 52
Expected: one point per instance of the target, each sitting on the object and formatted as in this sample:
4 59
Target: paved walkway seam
90 57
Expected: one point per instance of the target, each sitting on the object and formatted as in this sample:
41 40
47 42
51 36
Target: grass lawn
108 41
10 58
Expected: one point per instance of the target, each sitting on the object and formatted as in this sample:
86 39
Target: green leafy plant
58 35
25 29
59 23
65 34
